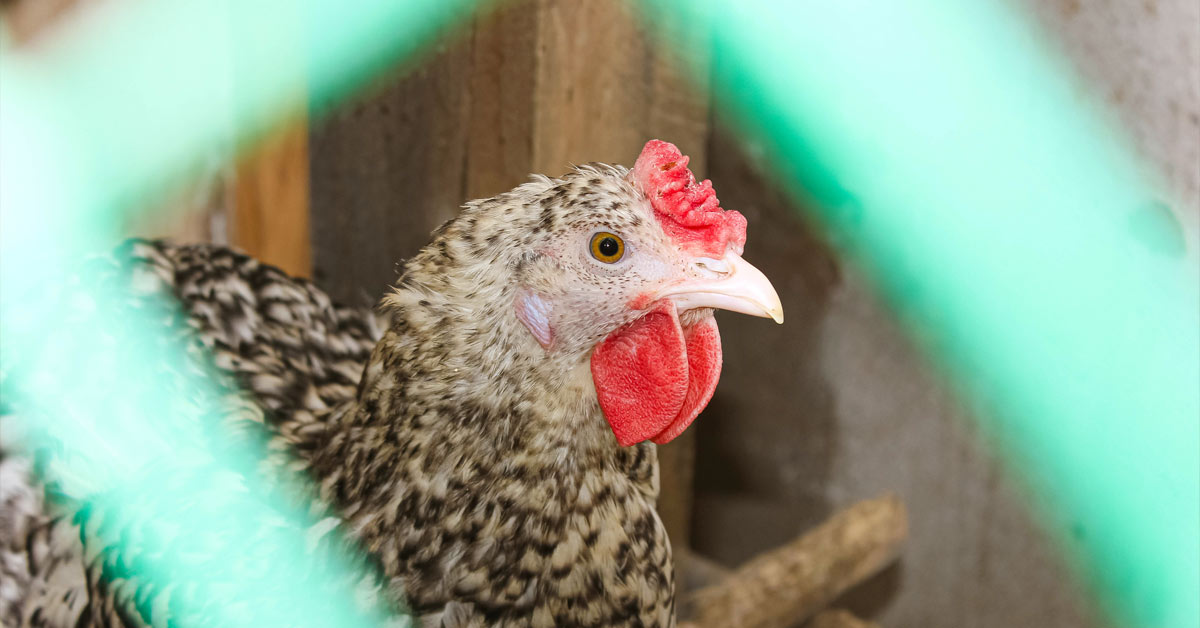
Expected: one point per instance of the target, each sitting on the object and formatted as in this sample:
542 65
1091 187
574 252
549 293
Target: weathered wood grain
838 618
793 582
270 214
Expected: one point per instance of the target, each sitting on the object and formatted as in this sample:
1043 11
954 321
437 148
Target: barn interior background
538 85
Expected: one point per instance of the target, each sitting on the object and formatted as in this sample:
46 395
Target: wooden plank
386 170
270 201
603 89
502 134
793 582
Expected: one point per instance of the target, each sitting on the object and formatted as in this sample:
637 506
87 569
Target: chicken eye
607 247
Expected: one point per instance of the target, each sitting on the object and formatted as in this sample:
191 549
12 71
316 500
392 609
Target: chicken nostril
712 267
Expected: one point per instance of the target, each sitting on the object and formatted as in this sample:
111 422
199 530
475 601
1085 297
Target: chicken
489 437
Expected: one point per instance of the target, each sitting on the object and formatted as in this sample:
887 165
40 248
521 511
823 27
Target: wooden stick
694 572
838 618
791 583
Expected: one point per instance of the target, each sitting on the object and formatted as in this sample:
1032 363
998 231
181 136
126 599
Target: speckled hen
496 456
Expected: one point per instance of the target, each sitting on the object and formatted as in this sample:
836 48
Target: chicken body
293 354
455 434
478 468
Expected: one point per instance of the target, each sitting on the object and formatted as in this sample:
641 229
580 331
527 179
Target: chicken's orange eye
607 247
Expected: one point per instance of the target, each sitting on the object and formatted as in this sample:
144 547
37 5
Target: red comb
689 212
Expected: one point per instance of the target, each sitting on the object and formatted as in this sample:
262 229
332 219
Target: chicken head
627 273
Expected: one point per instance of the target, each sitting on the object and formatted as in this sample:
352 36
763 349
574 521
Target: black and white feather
285 355
472 466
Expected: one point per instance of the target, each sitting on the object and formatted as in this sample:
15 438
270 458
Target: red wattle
653 377
704 369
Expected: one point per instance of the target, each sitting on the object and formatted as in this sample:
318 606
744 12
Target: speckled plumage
525 506
472 464
293 352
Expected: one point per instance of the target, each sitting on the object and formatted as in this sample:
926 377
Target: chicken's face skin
478 464
584 295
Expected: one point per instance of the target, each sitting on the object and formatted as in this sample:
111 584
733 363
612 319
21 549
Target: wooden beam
793 582
270 201
603 88
838 618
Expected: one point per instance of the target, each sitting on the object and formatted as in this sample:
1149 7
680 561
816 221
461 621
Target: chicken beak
729 283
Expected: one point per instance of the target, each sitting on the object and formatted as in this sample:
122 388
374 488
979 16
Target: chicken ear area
653 377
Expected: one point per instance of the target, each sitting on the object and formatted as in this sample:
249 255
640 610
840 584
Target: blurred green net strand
940 143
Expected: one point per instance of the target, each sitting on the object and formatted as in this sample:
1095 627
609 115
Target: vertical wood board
270 217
